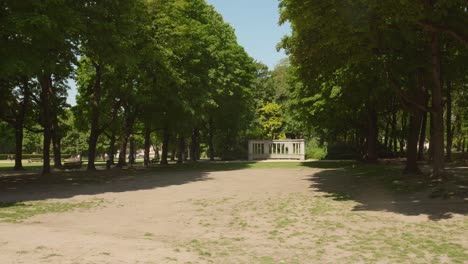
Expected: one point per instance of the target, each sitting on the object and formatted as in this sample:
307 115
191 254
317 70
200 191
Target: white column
302 150
250 150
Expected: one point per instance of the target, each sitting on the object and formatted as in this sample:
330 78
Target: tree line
165 69
381 77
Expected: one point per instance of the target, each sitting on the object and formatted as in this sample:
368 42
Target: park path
206 217
135 226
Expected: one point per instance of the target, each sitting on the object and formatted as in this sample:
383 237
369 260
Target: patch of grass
299 227
267 260
15 212
226 166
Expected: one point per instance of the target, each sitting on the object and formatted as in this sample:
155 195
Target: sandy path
163 219
116 233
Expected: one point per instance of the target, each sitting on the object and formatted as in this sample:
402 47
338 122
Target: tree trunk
401 139
387 130
422 137
94 134
181 150
174 152
123 150
46 92
394 132
56 144
19 125
147 159
412 146
210 139
372 136
165 146
414 129
437 106
132 154
449 122
458 129
431 134
112 149
195 145
56 136
19 146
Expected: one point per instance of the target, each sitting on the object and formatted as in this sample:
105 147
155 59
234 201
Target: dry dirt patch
242 216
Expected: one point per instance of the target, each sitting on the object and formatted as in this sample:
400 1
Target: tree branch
432 27
407 99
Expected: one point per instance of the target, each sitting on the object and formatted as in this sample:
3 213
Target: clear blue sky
257 30
256 25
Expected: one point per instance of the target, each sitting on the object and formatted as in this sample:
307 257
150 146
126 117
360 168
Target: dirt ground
240 216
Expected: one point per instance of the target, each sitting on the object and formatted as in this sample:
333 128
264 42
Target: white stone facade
277 149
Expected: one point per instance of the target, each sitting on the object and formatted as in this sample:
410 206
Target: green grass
300 227
16 212
225 166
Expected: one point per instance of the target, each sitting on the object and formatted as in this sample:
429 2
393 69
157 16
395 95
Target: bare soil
241 216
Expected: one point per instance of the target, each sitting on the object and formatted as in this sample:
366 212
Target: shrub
313 150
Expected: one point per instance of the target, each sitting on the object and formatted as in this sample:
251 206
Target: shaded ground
324 212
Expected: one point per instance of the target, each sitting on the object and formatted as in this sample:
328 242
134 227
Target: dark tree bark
112 148
131 158
394 132
56 145
412 146
372 135
449 122
147 159
124 139
165 146
174 152
94 134
438 164
431 135
19 147
210 139
458 129
422 137
45 95
402 139
56 135
411 166
181 149
386 139
19 125
195 145
123 150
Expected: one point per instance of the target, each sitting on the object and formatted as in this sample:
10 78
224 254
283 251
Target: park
165 131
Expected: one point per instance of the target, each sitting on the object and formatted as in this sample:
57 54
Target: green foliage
271 120
314 150
7 138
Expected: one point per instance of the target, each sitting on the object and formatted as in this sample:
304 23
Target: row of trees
366 70
170 69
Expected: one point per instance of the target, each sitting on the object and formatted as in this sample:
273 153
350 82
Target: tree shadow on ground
384 188
31 186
